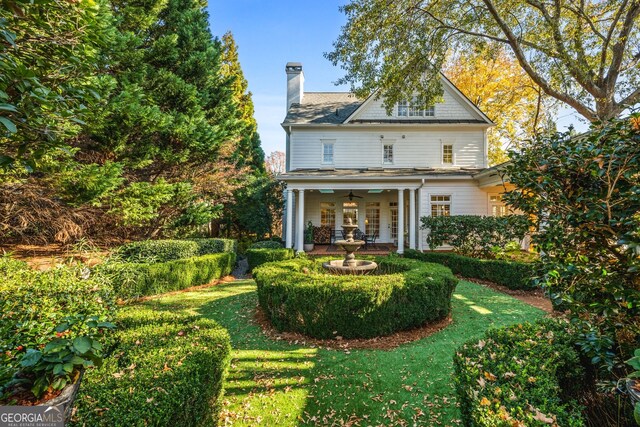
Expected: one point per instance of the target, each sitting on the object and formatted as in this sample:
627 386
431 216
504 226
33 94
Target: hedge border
297 295
513 275
258 256
520 375
167 369
131 281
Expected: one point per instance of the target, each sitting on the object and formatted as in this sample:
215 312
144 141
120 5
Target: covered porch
386 213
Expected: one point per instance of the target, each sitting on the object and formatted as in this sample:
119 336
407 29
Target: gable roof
323 108
344 107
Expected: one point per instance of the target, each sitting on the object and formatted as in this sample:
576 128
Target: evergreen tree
248 151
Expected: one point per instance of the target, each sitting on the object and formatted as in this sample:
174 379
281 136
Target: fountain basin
356 267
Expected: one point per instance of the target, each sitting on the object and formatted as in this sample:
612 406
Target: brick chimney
295 83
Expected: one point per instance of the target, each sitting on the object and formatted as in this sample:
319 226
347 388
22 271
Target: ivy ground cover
286 384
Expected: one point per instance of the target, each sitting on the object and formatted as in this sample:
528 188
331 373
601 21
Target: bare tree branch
535 76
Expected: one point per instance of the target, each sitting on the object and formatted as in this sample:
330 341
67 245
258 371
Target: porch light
326 191
375 191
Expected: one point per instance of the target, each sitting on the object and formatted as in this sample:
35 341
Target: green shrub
297 295
513 275
472 234
131 280
587 188
215 246
521 375
256 257
267 244
42 315
166 370
150 251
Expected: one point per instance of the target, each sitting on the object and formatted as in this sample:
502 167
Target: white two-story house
346 157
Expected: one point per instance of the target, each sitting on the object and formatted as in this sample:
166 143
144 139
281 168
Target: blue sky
271 33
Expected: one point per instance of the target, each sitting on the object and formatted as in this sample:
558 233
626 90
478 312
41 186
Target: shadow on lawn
411 385
278 383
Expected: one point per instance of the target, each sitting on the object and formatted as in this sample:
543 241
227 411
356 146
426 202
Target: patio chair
370 239
359 235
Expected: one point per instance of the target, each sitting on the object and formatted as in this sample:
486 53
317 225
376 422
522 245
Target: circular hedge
298 296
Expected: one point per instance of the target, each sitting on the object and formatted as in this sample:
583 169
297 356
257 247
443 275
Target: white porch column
289 230
412 218
401 220
300 227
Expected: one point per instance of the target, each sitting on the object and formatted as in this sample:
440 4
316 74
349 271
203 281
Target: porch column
412 218
401 220
289 229
300 227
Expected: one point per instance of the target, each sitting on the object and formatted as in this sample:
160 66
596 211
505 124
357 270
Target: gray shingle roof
323 107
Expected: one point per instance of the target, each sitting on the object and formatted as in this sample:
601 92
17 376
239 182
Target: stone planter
66 399
308 247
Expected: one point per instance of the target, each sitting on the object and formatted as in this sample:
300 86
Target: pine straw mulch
388 342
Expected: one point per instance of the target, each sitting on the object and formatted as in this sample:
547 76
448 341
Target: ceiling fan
351 196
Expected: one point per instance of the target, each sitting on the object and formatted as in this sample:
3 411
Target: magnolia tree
583 196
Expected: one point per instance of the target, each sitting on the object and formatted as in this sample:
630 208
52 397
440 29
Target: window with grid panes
440 205
372 218
447 153
387 154
328 214
327 152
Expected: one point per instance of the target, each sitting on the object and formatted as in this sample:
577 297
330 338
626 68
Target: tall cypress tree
248 151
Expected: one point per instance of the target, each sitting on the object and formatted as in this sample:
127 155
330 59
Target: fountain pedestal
350 265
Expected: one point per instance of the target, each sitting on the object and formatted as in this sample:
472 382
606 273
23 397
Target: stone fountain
350 265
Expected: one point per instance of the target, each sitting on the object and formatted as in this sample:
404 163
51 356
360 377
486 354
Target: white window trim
441 194
392 143
410 106
331 142
498 203
453 153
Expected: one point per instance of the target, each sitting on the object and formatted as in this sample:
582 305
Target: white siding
362 147
466 199
451 108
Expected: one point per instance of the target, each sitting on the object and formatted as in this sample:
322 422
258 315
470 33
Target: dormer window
413 109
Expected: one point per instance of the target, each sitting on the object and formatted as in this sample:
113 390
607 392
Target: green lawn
275 383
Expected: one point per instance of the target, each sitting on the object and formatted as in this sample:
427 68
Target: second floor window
387 154
327 152
447 154
412 109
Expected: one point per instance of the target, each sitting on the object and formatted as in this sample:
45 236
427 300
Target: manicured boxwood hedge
34 303
166 370
150 251
215 246
297 295
523 375
513 275
132 280
259 256
266 244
